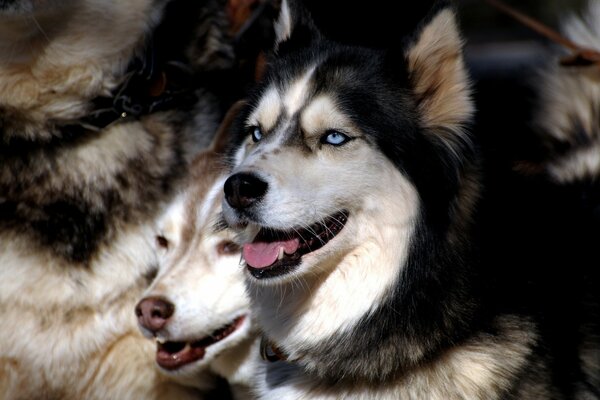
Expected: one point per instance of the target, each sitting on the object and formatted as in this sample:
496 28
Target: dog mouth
274 252
174 355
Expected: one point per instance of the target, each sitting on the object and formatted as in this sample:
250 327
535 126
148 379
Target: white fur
296 94
583 163
268 110
207 290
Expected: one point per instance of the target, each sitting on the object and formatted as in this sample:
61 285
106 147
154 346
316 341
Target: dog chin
183 358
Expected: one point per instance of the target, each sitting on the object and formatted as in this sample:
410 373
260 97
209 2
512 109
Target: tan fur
440 80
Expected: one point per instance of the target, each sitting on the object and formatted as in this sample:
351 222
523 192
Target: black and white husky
355 187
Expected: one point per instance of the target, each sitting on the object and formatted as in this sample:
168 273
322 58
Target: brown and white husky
102 104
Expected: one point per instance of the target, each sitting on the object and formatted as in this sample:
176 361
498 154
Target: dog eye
334 138
256 133
227 247
162 242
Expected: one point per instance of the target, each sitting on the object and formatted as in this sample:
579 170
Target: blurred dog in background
102 105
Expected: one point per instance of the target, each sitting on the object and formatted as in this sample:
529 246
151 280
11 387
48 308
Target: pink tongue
262 255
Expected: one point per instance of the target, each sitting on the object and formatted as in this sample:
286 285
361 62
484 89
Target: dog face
196 308
317 168
326 148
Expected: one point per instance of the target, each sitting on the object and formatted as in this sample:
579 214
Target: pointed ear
294 22
222 138
283 25
438 74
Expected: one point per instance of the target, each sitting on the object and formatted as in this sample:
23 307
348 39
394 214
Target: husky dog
197 307
355 186
102 104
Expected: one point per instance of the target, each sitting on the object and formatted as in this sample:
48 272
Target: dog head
196 307
353 181
338 137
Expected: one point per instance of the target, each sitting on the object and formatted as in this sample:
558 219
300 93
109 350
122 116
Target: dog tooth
161 340
280 256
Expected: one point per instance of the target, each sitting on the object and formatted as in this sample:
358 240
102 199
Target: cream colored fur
206 288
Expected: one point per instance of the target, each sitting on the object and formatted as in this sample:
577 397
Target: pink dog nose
153 312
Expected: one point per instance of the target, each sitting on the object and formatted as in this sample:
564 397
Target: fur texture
355 186
77 202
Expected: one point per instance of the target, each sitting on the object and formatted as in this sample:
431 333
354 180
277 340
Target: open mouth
274 253
174 355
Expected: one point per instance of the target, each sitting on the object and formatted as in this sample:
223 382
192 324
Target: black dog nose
153 312
242 190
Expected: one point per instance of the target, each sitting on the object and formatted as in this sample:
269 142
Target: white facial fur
206 286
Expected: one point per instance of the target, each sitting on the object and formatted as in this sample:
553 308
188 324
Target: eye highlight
256 133
334 138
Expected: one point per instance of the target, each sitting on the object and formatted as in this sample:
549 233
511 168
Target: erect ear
222 138
437 72
294 23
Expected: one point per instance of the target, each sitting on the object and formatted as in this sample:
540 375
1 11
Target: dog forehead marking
322 114
297 93
267 112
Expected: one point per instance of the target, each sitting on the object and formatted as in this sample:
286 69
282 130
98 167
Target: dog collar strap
270 352
146 89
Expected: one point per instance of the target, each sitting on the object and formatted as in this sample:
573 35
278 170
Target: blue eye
256 133
334 138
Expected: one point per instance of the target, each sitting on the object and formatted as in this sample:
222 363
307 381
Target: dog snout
243 190
154 312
